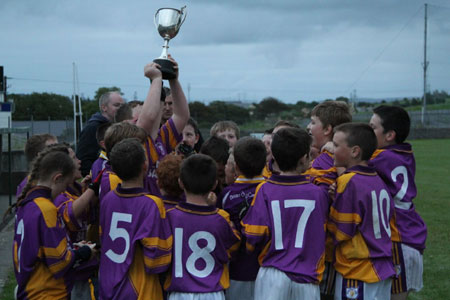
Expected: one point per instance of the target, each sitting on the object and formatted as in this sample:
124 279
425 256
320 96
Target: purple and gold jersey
42 258
322 169
286 224
20 187
108 182
98 165
136 245
76 227
236 197
171 202
204 240
359 223
166 141
269 169
397 167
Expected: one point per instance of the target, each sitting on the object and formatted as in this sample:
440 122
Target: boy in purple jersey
204 237
394 161
250 159
324 118
100 163
135 234
359 218
286 224
43 259
161 140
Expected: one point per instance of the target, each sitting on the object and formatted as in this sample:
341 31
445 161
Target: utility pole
425 66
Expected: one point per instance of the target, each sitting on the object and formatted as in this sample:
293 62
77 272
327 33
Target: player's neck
137 182
201 200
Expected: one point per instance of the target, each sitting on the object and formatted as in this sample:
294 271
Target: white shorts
240 290
196 296
408 263
355 289
272 283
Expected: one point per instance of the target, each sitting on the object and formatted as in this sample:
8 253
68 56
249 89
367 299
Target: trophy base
166 68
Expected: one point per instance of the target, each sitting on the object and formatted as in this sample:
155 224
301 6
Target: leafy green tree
41 106
269 105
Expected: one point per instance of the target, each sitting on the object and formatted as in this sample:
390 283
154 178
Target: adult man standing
87 150
167 109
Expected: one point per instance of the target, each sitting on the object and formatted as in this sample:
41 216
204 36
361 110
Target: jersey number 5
308 206
115 232
197 253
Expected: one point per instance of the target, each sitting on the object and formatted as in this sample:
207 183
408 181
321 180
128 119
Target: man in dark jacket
87 148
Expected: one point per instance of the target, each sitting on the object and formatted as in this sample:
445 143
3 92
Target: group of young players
268 221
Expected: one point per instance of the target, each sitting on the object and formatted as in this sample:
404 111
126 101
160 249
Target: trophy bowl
168 22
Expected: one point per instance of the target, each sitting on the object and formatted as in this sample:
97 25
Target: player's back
286 221
136 244
396 166
203 242
359 221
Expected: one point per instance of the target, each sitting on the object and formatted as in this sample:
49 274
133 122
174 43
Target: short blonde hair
224 125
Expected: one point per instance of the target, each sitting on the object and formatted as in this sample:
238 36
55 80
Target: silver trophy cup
168 22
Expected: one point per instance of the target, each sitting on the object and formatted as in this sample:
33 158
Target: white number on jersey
308 206
197 253
377 214
20 231
115 232
401 170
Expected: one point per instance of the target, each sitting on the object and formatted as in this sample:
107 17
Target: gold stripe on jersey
43 285
62 264
233 248
114 181
160 204
48 210
339 235
395 234
342 181
344 217
56 252
287 183
153 153
257 230
264 252
256 192
15 257
226 216
146 286
66 217
225 277
156 242
163 260
362 270
266 173
320 267
377 152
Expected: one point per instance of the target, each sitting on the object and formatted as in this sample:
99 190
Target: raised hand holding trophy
168 22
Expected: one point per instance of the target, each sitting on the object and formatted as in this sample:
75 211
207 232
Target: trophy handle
184 13
154 18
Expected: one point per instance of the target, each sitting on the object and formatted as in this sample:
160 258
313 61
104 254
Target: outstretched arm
150 116
180 106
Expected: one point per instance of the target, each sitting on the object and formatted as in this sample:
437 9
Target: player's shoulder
48 211
344 181
158 202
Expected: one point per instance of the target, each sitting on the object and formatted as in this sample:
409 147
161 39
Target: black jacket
87 147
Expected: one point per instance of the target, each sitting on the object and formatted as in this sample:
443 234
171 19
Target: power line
382 51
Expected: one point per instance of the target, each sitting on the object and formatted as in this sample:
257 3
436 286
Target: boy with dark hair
100 163
135 234
250 159
359 218
394 161
204 237
218 149
286 224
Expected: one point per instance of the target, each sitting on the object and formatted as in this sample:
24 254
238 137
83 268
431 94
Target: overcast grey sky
289 49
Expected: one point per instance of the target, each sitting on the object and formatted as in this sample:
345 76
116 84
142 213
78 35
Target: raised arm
180 106
150 116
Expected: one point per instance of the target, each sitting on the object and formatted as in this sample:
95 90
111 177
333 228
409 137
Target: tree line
42 106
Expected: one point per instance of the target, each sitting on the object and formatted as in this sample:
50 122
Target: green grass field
433 204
